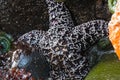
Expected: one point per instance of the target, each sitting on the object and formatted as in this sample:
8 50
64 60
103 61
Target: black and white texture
64 44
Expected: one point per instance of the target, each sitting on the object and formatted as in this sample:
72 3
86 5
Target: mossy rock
107 69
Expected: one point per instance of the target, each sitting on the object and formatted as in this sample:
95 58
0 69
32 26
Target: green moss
107 69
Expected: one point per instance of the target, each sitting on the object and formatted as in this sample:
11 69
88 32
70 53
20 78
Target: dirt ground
20 16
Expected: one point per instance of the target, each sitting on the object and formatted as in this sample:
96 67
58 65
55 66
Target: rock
95 52
107 69
101 10
20 16
104 44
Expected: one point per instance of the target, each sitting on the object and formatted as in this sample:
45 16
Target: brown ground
20 16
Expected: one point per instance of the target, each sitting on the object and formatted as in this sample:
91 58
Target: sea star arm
67 58
59 15
90 32
63 46
32 37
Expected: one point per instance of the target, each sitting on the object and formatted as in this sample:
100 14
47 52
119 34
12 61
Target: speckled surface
20 16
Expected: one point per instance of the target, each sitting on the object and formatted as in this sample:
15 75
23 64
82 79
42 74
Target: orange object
114 29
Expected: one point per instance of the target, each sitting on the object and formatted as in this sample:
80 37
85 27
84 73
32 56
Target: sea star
63 44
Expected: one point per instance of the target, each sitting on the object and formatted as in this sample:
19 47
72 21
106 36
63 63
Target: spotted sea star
63 44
